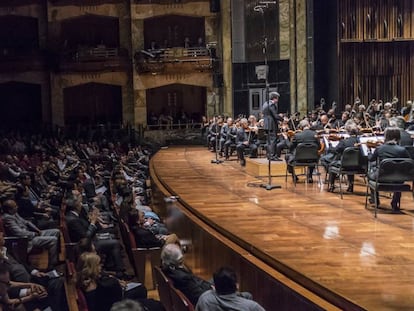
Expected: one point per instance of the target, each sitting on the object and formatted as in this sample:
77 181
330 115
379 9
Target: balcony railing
94 59
173 60
166 1
83 2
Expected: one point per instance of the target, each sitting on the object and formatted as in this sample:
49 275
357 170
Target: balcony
21 59
173 60
92 59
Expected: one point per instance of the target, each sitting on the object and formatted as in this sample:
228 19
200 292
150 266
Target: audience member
17 226
225 295
172 264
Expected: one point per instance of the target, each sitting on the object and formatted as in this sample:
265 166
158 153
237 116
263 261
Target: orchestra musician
390 149
214 132
340 123
228 136
271 123
243 141
337 151
305 136
323 123
405 137
283 142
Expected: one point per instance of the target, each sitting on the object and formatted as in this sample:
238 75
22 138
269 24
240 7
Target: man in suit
390 149
17 226
352 130
271 119
306 136
80 227
243 141
227 136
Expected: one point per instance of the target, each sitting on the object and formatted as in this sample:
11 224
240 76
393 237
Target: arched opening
93 103
21 104
17 32
173 31
90 31
178 102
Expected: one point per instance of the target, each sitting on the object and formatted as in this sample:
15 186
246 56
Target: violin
291 133
371 144
334 137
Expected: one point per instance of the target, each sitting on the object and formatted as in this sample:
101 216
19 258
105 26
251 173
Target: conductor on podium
271 124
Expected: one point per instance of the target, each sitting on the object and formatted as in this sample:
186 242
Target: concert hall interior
207 155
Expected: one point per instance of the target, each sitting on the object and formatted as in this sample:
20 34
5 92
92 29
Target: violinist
228 136
243 141
271 122
405 137
284 141
352 130
390 149
323 123
306 136
253 128
341 123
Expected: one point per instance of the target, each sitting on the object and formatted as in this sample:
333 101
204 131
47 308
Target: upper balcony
83 2
14 3
174 60
93 59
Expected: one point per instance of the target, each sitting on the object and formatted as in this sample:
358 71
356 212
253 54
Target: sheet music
333 143
101 190
363 140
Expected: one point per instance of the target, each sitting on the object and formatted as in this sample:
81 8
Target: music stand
217 160
260 8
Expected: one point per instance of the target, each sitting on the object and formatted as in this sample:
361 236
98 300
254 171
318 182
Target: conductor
271 119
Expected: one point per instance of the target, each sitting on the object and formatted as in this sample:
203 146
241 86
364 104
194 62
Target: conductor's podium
259 167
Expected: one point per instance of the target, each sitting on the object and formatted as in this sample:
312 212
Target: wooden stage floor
328 243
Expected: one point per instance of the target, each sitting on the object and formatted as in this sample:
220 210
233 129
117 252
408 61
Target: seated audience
20 272
79 227
18 295
101 291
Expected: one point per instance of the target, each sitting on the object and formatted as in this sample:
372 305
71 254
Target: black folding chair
392 175
352 163
306 155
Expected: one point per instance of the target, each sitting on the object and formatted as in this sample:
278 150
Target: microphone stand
217 160
268 185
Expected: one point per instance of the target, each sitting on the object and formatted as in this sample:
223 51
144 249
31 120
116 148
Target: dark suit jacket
90 189
79 227
271 117
191 285
145 238
342 145
406 139
388 151
307 136
241 136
